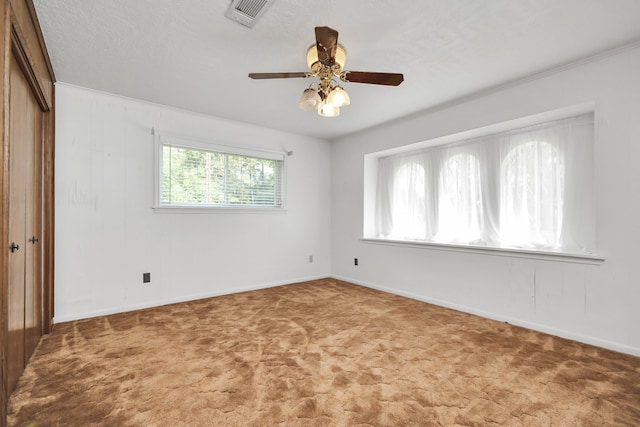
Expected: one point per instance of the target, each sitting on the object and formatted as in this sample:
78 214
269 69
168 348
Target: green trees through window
191 176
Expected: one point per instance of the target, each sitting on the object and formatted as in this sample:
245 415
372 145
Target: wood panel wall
21 34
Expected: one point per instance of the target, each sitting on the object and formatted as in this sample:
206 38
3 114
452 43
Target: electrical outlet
355 261
146 277
310 258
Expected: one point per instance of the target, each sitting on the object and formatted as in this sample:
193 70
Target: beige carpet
320 353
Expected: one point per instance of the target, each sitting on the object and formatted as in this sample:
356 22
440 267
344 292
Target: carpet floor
318 353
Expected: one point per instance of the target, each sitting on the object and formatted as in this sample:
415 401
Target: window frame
371 175
165 138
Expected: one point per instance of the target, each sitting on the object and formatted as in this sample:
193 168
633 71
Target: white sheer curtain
528 188
532 194
401 210
460 197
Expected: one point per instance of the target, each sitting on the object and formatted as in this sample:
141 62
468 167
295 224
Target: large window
194 174
529 188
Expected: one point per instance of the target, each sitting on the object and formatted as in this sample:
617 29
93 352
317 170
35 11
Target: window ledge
216 210
486 250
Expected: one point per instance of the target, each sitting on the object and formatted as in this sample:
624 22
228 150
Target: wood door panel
17 223
24 317
33 225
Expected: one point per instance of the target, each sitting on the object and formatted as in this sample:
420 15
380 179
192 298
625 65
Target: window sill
485 250
216 210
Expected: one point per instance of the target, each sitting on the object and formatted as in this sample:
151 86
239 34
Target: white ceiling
186 54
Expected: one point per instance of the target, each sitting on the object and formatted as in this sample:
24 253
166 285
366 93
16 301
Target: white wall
598 304
107 235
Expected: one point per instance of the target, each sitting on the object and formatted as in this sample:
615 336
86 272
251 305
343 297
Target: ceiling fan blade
326 43
389 79
278 75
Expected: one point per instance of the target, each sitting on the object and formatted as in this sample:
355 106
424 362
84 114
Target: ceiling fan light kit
328 110
326 61
338 97
310 100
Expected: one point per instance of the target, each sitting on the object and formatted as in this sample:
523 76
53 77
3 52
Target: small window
197 175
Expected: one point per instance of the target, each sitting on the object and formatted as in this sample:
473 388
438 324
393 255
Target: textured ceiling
186 54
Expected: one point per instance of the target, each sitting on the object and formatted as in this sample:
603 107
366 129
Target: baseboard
184 298
490 315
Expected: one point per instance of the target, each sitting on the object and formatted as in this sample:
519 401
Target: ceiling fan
326 61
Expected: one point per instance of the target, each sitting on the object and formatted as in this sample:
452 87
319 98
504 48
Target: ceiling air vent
247 12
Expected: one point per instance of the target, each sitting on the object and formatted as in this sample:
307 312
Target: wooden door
33 226
26 191
24 318
17 225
